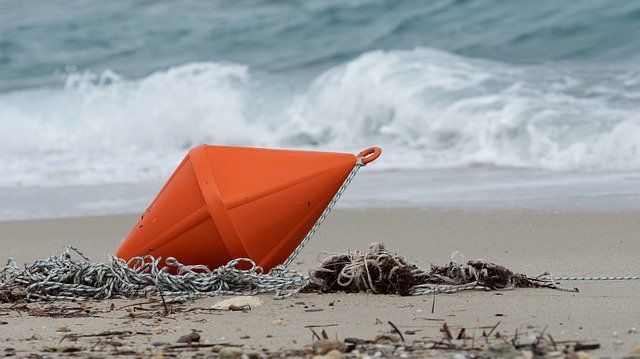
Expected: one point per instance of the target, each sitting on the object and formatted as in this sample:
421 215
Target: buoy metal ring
369 155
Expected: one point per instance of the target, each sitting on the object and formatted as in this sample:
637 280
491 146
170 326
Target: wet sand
583 243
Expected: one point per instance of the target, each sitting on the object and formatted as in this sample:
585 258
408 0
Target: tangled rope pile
382 272
377 271
64 278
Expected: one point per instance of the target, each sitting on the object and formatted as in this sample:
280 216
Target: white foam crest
172 109
449 111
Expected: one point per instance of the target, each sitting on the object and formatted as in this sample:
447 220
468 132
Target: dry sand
571 243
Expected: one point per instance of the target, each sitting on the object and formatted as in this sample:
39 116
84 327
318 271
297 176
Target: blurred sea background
476 104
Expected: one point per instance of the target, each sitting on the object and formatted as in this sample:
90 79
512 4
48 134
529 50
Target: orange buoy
223 203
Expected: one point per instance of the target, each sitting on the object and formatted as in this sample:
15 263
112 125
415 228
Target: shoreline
436 189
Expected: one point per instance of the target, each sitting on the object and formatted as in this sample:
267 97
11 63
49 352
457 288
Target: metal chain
550 276
546 280
323 216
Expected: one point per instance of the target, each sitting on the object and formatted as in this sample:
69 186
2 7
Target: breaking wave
427 108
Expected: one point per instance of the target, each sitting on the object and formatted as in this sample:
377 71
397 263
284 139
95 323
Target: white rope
63 278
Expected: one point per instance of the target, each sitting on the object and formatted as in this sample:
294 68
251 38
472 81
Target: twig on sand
320 325
314 334
397 330
494 328
102 334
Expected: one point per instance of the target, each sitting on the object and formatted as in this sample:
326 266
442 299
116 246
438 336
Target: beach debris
239 303
386 338
586 346
382 272
192 337
9 352
62 349
396 330
375 271
447 333
470 345
63 329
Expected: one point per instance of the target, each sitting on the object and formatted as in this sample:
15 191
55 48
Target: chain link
324 214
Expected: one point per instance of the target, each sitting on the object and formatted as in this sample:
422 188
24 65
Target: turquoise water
135 38
108 92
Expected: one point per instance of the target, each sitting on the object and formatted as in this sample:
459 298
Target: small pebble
230 352
252 354
189 338
245 337
386 348
353 341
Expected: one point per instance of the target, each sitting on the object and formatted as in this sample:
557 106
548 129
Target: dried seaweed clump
382 272
484 273
377 271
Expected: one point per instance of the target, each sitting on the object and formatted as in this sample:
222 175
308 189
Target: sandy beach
582 243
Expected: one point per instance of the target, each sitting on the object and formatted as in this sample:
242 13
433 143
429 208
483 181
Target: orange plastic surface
223 203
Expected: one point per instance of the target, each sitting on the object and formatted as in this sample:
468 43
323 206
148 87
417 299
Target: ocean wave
427 108
456 111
